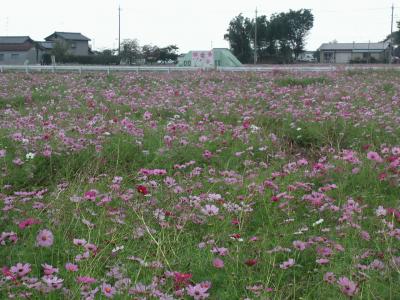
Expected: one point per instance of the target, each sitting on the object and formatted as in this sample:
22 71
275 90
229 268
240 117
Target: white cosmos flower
318 222
30 155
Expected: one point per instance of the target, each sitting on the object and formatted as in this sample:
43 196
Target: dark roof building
77 43
68 36
17 50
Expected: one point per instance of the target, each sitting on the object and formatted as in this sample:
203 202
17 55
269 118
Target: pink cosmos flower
322 261
347 286
108 290
79 242
210 210
20 270
287 264
147 115
3 153
44 238
371 155
71 267
85 279
53 281
300 245
329 277
198 292
48 269
365 235
218 263
207 154
222 251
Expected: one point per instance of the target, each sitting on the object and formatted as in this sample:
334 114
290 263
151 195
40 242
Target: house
342 53
77 43
18 50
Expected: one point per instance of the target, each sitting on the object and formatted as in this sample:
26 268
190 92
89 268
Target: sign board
203 59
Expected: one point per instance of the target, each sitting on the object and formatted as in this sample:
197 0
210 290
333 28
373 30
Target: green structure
217 57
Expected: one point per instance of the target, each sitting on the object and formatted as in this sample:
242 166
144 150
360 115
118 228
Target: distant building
342 53
17 50
78 44
306 56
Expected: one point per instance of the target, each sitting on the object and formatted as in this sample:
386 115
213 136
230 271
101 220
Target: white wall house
342 53
17 50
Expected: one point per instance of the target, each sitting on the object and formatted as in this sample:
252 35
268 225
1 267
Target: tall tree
239 38
169 53
300 23
130 51
150 53
60 50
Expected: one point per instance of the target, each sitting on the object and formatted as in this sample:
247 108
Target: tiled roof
14 39
75 36
16 43
354 46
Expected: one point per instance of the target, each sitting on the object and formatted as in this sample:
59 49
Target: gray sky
189 24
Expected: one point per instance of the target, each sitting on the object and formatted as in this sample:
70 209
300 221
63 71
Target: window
14 56
187 63
328 57
73 45
1 57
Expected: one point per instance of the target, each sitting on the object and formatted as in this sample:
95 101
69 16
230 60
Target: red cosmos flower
366 147
142 189
7 273
28 222
382 176
250 262
235 222
274 199
181 279
246 124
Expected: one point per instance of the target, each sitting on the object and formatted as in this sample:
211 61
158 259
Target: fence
137 69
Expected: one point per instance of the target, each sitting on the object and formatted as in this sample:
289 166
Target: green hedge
91 60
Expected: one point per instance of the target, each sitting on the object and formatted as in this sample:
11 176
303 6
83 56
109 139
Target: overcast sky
190 24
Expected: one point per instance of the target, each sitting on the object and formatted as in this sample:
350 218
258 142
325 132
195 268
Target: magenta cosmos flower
45 238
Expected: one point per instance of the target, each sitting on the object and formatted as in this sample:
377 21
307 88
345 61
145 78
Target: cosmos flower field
202 185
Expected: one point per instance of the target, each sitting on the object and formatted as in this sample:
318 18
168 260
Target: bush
91 60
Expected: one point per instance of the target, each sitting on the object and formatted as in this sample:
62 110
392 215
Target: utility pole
255 39
391 38
119 30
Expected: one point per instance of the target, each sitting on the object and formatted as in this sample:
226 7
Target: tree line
131 53
280 39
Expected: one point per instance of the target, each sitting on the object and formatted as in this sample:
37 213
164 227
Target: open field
200 185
